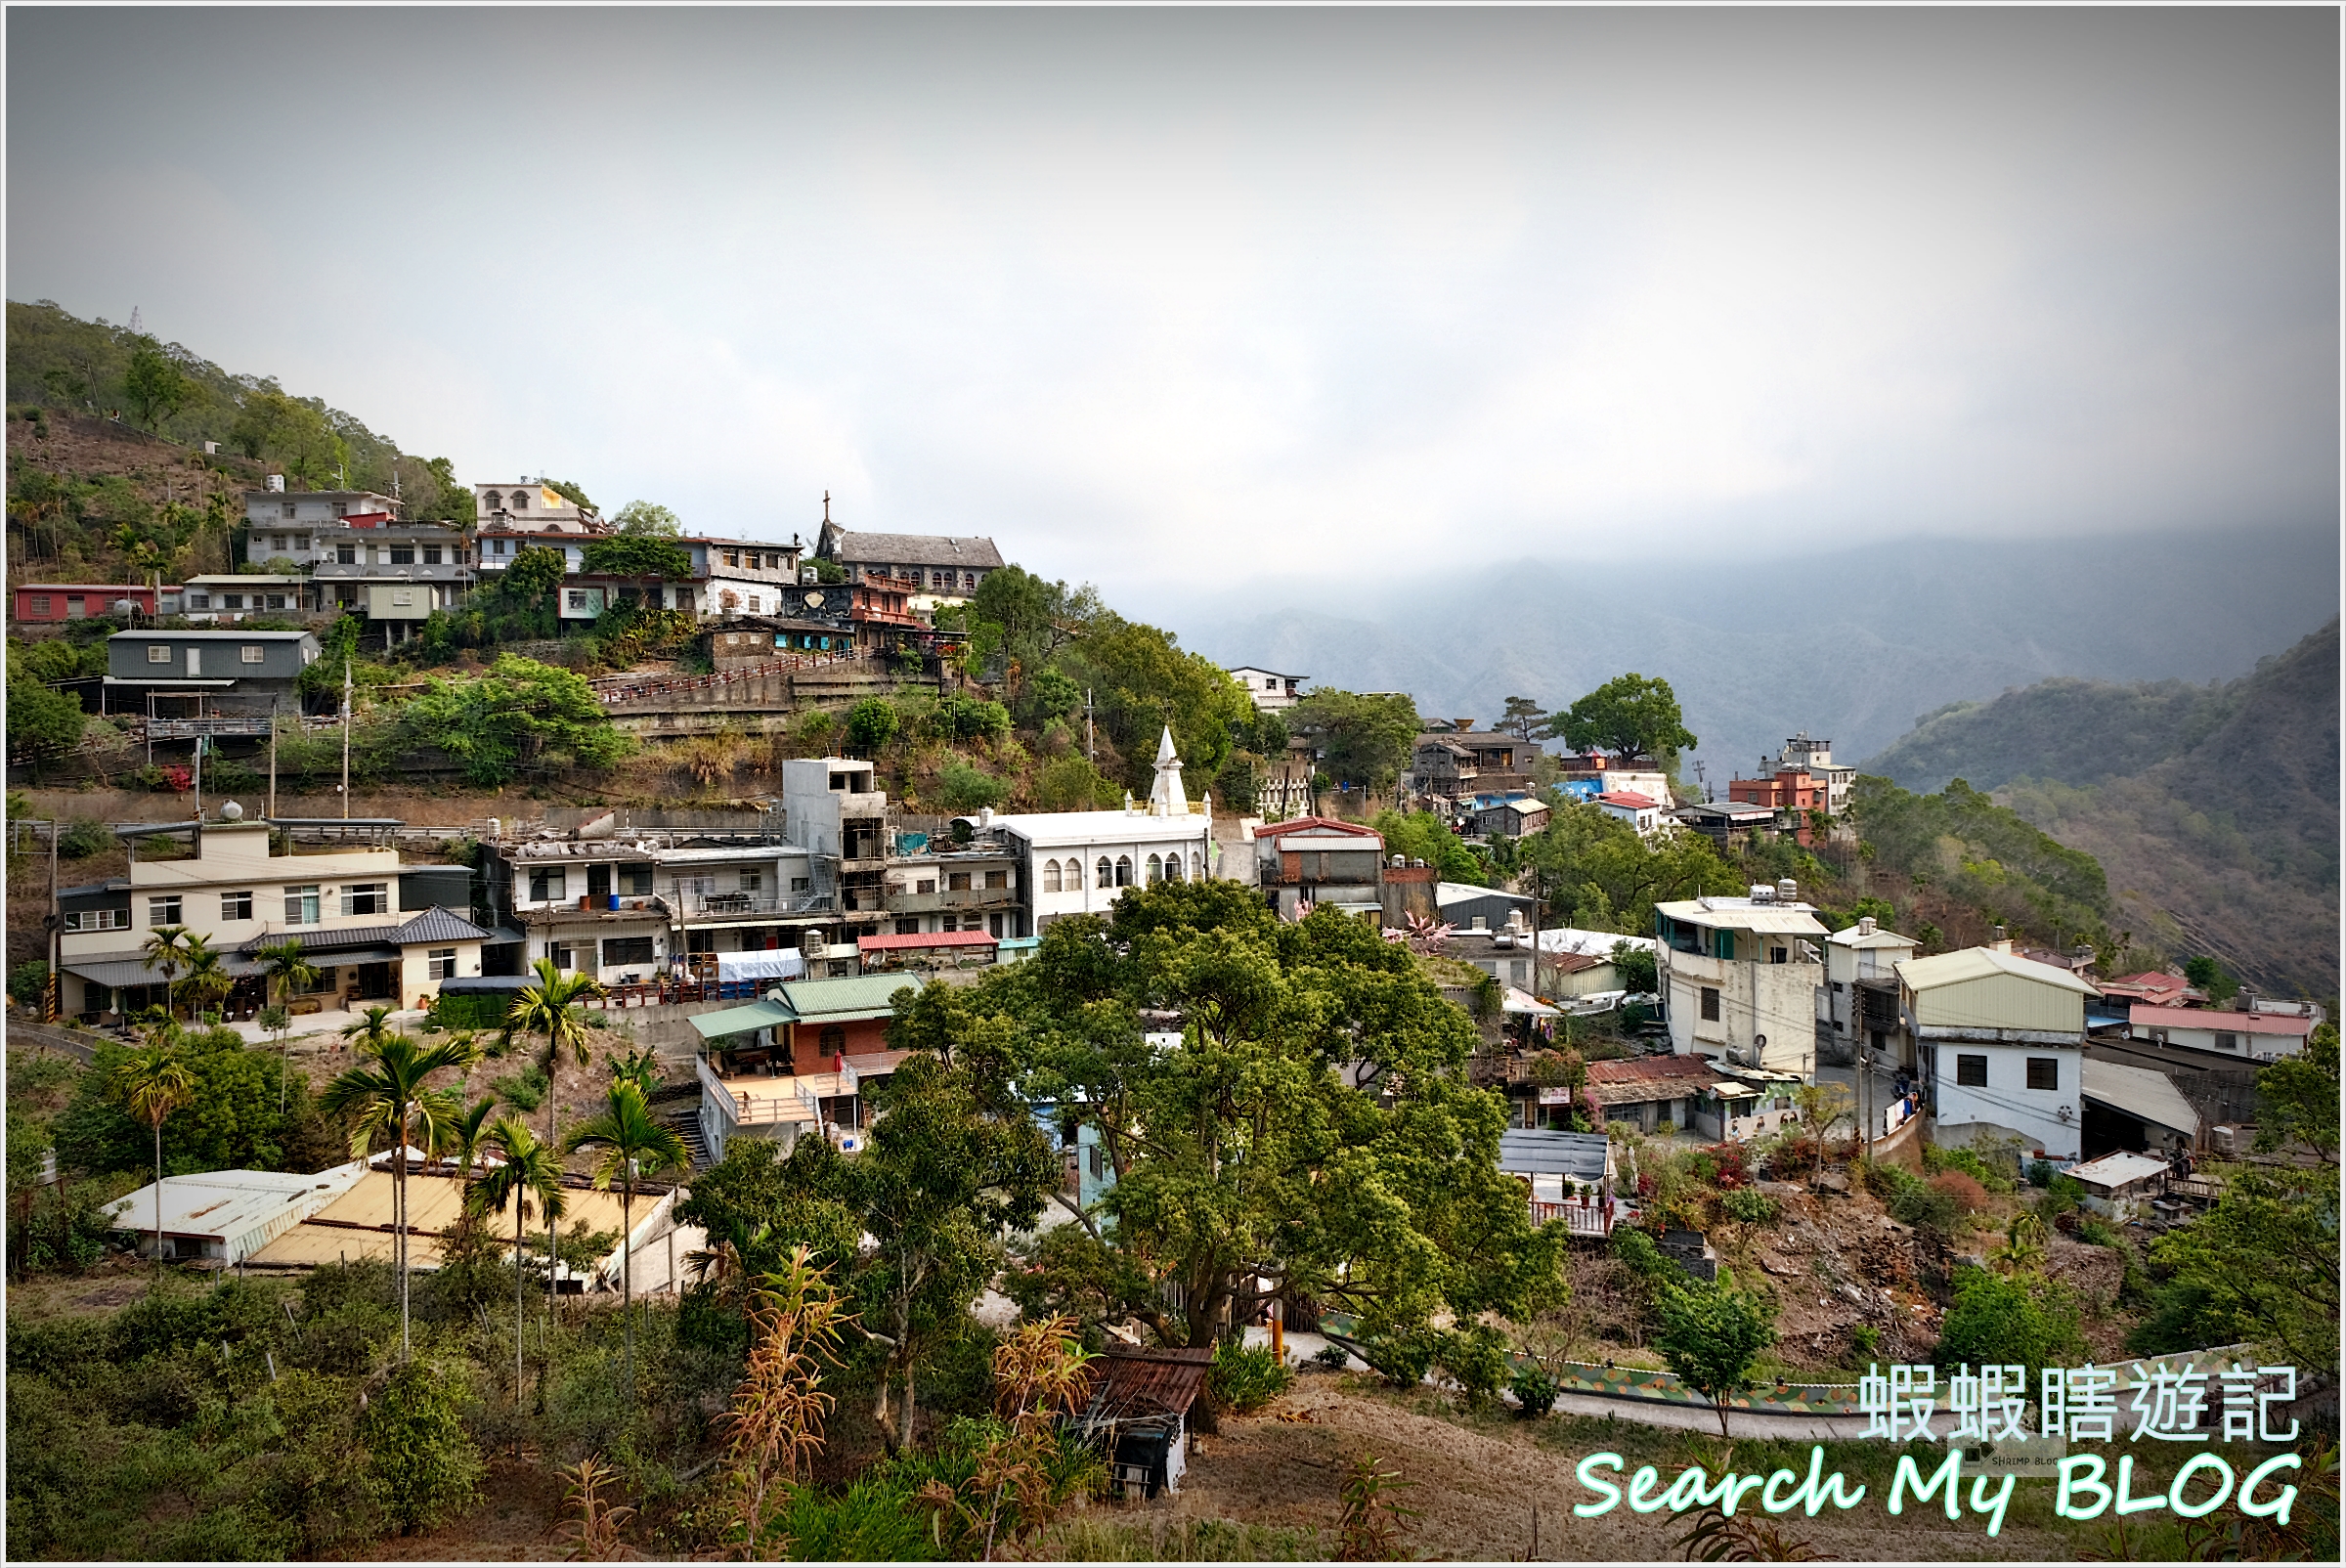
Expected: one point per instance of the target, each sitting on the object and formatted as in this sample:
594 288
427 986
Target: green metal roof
741 1020
858 996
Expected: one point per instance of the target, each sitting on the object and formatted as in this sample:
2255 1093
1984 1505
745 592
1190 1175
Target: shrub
1333 1357
28 981
83 838
1476 1358
2040 1173
1534 1391
1995 1319
2095 1232
1936 1160
962 788
1963 1188
1926 1207
1402 1359
871 724
422 1464
1246 1377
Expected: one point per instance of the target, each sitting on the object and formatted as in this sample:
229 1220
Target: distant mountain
2214 810
1848 646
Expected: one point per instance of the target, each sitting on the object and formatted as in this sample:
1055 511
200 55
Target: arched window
1173 866
492 500
1196 868
1123 871
521 501
1050 876
1157 869
1108 874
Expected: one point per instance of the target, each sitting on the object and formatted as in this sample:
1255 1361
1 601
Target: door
194 660
375 983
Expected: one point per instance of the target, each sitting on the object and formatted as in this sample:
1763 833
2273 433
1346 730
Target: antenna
1091 753
134 327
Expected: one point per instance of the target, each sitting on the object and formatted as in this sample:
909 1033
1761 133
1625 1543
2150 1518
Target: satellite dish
232 813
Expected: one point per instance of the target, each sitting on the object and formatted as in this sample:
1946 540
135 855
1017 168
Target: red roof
1627 798
924 939
2204 1017
1316 824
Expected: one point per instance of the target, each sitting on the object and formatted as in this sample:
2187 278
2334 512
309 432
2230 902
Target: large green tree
644 517
630 1142
2266 1257
43 722
155 385
1592 870
1310 1136
519 711
1140 681
1629 715
1364 739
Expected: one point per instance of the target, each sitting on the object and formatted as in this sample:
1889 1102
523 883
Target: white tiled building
2000 1040
1077 862
1740 976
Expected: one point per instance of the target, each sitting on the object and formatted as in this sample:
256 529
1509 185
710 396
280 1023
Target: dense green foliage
1226 1147
1591 869
518 713
1364 741
232 1122
2067 731
1712 1337
1629 715
1983 854
42 722
2019 1318
1246 1377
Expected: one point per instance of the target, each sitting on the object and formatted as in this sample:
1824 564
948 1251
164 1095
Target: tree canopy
1229 1148
1629 715
645 517
1365 740
637 555
519 711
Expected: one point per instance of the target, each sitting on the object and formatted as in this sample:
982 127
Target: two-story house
967 883
2000 1046
278 522
1739 976
215 598
1584 775
738 576
1790 791
1858 1008
1455 766
1318 860
376 930
1642 812
194 673
392 572
944 568
1270 691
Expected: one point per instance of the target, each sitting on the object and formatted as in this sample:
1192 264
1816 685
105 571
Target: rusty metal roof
1139 1384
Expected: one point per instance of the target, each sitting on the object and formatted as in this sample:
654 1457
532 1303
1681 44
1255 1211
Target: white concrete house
1739 978
1859 1004
2000 1042
1268 689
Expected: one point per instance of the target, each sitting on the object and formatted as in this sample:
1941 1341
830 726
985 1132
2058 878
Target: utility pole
57 979
272 714
346 739
199 776
1091 753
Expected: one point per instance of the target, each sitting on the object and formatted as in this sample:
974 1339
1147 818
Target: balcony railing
740 905
913 903
1583 1217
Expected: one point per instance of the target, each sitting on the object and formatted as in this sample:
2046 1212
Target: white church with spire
1077 862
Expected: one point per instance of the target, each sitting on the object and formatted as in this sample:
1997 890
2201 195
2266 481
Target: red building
39 602
1791 792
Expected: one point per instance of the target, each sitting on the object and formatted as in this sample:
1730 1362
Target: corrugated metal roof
741 1020
2141 1092
2116 1170
1741 914
135 971
1138 1383
1978 963
1547 1151
2144 1016
854 997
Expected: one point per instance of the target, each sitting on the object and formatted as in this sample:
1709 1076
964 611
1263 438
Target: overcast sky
1168 301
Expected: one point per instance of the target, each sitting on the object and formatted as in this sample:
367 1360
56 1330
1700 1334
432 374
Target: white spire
1165 796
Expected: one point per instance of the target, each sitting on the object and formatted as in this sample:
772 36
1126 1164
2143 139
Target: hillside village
855 913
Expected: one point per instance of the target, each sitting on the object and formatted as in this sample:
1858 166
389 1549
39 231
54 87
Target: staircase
687 1125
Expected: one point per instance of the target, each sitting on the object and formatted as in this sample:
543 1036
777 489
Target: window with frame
287 509
276 601
909 926
403 555
733 558
431 554
235 905
560 953
1711 1004
957 882
249 653
997 879
1123 871
40 605
635 880
367 898
403 598
161 652
440 962
578 598
1050 876
2044 1073
627 951
1971 1071
1156 870
547 882
276 543
163 911
232 601
801 884
97 920
752 881
346 555
1105 873
301 541
1779 955
301 905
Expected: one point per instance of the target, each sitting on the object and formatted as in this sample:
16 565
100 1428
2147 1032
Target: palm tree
207 974
285 968
373 1031
468 1135
632 1141
152 1083
167 949
389 1097
553 1007
531 1171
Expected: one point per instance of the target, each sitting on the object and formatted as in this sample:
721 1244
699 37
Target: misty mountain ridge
1854 646
2213 811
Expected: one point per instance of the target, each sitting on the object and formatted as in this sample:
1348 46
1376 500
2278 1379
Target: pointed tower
1165 795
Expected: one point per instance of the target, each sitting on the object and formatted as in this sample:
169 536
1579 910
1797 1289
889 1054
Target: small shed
1139 1414
2119 1185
